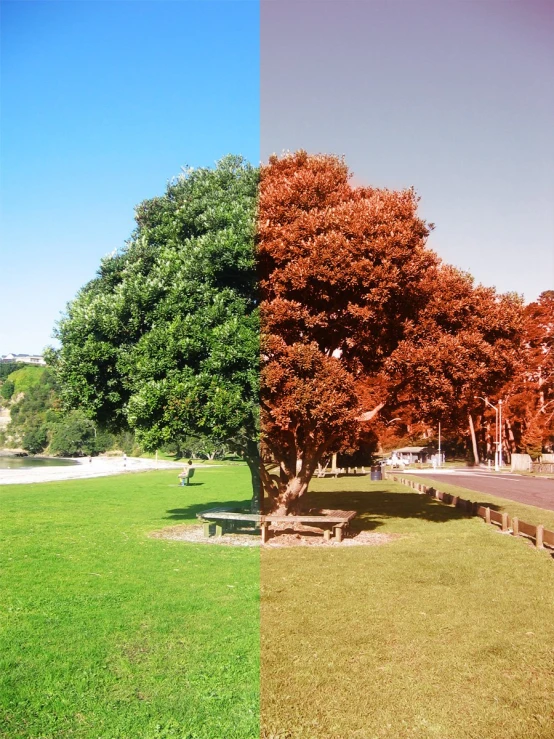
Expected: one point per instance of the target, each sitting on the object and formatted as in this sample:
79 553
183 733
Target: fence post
504 522
455 501
515 526
487 515
540 535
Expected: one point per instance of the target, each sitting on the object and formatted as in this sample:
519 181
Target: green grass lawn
108 633
445 633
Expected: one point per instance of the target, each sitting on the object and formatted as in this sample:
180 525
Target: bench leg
327 534
338 533
208 529
219 529
265 532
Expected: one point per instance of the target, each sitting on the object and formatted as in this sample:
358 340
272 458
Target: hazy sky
454 98
103 102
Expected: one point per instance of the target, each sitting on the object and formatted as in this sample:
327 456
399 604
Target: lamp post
498 432
440 455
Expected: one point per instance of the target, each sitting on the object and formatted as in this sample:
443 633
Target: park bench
226 520
333 522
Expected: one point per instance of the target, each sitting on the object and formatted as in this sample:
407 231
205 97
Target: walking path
535 491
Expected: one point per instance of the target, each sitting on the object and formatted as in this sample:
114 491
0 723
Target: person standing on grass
185 474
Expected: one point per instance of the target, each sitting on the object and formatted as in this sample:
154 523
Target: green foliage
7 389
125 441
35 413
6 368
165 339
35 439
27 377
73 436
196 447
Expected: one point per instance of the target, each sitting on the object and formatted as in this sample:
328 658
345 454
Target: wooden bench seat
328 520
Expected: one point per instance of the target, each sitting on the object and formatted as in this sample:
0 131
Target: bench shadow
190 512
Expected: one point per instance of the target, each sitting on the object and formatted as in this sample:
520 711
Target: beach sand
97 467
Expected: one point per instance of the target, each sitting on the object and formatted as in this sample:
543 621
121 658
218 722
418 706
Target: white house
24 358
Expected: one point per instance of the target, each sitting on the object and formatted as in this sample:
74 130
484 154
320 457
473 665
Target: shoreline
97 467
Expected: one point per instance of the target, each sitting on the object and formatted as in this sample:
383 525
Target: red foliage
529 394
357 313
340 270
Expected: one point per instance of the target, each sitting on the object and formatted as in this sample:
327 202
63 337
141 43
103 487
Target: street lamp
498 434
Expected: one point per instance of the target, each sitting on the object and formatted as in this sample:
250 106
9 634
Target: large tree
529 393
165 339
358 313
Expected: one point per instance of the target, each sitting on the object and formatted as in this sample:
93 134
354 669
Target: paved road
532 491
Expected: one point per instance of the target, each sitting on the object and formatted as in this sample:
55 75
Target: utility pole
500 434
440 455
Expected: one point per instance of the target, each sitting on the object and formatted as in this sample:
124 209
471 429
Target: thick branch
368 415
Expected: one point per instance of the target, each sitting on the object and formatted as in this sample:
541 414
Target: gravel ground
288 537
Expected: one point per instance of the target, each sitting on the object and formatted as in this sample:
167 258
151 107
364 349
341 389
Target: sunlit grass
446 632
109 633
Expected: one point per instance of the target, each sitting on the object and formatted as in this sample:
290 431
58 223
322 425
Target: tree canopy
286 306
357 314
165 339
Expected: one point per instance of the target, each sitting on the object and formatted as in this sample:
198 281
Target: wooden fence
538 534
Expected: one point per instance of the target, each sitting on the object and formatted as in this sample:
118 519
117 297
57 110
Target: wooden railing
538 534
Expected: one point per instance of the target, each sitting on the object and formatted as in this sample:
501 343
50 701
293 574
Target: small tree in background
74 436
7 389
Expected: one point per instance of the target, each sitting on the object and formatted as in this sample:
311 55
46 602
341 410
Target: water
15 463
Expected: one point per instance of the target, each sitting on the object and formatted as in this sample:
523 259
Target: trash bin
376 472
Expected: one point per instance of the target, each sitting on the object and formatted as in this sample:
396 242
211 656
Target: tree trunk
473 440
252 456
510 437
288 499
286 489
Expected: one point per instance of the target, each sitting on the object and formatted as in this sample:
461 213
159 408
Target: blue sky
102 103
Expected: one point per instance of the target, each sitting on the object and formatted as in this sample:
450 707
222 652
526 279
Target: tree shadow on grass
376 505
190 512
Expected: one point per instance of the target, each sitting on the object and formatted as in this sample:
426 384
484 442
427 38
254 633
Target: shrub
35 439
7 389
74 436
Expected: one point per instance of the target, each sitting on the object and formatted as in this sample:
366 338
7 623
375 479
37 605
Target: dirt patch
282 536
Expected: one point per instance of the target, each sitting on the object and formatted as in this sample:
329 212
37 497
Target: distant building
23 358
410 454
